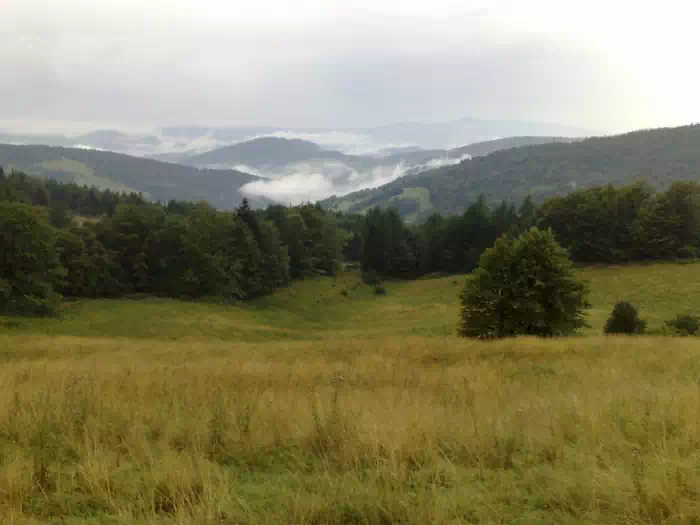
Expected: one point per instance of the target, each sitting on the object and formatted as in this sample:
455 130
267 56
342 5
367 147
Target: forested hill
159 181
659 156
276 152
478 149
265 151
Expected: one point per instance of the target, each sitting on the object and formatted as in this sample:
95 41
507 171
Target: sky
605 65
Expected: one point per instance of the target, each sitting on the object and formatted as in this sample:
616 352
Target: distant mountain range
658 156
417 181
111 140
273 153
454 133
222 176
159 181
424 135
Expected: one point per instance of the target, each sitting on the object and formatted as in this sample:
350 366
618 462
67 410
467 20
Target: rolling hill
659 156
275 152
266 152
159 181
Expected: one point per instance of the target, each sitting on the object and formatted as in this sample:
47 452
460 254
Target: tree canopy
523 286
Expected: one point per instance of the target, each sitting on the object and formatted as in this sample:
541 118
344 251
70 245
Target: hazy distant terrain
293 165
107 170
302 170
658 156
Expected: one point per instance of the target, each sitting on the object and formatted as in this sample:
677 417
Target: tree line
63 197
440 245
64 240
598 225
183 250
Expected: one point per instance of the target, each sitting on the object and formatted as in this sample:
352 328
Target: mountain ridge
658 156
157 180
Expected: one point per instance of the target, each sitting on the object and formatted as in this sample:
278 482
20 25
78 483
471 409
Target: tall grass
376 431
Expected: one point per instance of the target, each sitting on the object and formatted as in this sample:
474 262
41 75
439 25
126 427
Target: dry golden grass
410 430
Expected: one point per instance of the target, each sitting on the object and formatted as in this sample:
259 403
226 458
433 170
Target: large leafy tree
523 285
30 268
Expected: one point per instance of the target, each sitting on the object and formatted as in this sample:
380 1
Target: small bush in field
624 319
685 324
379 290
371 277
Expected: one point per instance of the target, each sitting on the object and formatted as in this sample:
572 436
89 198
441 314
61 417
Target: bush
371 277
685 324
624 319
379 290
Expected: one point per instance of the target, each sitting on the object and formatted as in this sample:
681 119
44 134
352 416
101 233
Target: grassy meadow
327 405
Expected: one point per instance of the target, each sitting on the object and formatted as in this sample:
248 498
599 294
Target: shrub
344 292
624 319
371 277
379 290
685 324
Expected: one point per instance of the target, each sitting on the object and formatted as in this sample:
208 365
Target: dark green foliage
624 319
310 236
379 290
30 268
389 248
451 245
523 286
63 197
185 250
371 277
90 270
685 324
59 218
615 225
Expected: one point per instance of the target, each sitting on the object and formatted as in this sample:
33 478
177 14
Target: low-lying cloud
319 180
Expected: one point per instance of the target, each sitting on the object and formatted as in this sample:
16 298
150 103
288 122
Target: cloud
311 182
340 64
292 189
86 146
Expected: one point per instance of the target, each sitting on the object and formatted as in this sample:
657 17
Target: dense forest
597 225
52 248
659 156
76 241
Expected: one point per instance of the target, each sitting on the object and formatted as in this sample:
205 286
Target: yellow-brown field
272 413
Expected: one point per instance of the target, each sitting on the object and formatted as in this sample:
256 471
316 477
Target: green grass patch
344 307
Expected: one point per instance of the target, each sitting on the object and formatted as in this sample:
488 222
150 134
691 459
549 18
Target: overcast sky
604 65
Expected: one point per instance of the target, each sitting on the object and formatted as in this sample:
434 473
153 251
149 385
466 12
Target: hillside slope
343 307
275 152
106 170
659 156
